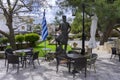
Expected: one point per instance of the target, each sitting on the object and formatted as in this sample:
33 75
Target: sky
50 13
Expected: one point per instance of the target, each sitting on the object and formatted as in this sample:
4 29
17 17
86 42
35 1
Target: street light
83 27
83 30
83 5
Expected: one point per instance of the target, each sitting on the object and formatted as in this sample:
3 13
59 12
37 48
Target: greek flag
44 28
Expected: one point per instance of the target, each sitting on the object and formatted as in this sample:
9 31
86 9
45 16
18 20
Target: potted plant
75 44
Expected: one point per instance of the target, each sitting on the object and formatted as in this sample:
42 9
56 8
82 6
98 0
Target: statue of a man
64 29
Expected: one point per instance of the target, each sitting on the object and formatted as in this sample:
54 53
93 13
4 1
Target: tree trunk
12 40
107 32
105 35
11 37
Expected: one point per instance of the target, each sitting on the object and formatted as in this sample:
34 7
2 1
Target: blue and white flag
44 28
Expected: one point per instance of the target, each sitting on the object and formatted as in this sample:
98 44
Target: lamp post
83 30
83 27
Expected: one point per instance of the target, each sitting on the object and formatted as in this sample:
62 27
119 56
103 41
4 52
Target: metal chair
27 57
8 51
113 52
92 61
79 64
13 59
35 57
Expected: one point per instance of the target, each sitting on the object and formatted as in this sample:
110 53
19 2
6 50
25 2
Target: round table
23 50
23 53
73 56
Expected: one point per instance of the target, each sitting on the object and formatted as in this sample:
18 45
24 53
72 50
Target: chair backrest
93 58
8 51
80 63
35 55
13 59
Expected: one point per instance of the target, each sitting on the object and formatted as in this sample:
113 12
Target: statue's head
64 18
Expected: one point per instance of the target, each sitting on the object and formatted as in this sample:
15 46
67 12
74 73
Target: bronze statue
64 29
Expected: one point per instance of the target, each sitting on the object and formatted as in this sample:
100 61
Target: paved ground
106 70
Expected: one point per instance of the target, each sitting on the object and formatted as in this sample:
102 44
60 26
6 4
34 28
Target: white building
21 25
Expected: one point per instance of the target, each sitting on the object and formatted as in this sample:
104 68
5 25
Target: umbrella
92 42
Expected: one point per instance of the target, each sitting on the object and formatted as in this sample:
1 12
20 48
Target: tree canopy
108 12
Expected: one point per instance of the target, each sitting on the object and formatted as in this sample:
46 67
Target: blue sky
50 13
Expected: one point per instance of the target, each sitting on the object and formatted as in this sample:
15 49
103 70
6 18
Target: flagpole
44 32
45 46
45 40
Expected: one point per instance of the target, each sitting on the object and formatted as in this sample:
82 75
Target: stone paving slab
106 70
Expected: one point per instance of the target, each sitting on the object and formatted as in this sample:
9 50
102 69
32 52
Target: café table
24 54
22 50
72 56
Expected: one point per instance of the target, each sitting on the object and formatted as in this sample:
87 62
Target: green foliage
32 38
7 47
79 36
76 25
27 37
42 45
4 40
19 38
107 11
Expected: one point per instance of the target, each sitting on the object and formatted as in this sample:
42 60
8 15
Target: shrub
31 38
8 47
4 40
27 37
19 38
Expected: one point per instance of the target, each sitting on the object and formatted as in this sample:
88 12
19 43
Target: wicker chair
8 51
79 64
35 57
92 61
13 59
